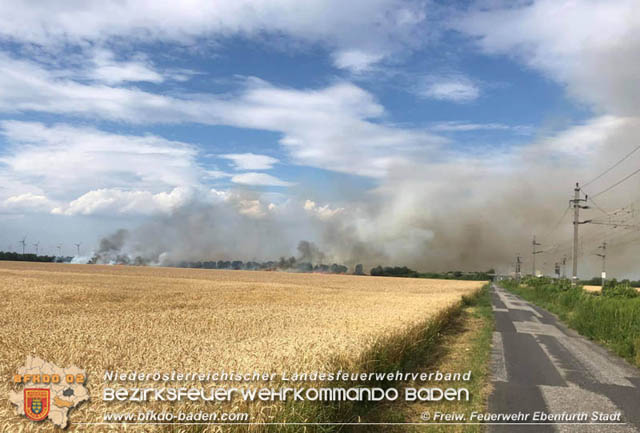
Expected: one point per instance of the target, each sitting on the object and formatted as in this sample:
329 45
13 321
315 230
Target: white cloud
591 46
216 196
136 202
217 174
108 70
331 128
323 212
250 161
383 25
27 202
115 201
460 126
585 140
338 127
259 179
253 208
453 88
356 61
28 86
68 160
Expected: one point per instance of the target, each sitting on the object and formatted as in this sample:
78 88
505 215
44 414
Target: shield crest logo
36 403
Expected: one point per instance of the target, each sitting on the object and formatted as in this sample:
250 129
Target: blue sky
112 113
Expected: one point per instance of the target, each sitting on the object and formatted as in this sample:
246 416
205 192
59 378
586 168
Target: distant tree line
17 257
394 271
596 281
290 264
403 271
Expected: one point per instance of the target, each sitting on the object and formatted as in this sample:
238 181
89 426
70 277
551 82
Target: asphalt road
540 366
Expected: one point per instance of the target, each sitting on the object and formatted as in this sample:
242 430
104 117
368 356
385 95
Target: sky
438 134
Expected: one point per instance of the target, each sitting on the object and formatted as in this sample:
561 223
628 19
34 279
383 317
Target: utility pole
518 273
564 267
533 263
576 222
603 247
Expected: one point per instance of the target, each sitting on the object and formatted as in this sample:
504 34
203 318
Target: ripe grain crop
152 319
596 289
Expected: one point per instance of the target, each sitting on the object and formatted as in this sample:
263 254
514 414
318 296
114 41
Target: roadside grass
611 318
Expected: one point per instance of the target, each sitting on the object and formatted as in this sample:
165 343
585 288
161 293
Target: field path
538 364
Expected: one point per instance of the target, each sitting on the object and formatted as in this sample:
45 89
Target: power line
626 241
612 167
547 235
555 227
597 206
566 244
617 183
624 218
614 224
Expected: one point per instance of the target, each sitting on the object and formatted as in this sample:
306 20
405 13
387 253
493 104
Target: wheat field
597 289
163 319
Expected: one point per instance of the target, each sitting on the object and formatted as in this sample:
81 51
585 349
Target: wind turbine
23 242
37 244
59 250
78 247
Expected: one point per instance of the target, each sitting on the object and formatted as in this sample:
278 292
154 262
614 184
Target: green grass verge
465 344
611 318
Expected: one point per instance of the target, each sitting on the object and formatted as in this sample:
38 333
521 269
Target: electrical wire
555 227
617 183
597 206
607 230
612 167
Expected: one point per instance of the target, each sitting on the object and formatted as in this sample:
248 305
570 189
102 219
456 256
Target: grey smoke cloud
463 211
459 213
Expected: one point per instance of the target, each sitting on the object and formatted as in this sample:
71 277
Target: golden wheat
597 289
164 319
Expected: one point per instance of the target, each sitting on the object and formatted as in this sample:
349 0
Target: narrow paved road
539 365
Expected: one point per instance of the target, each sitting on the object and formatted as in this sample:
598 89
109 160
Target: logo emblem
36 403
